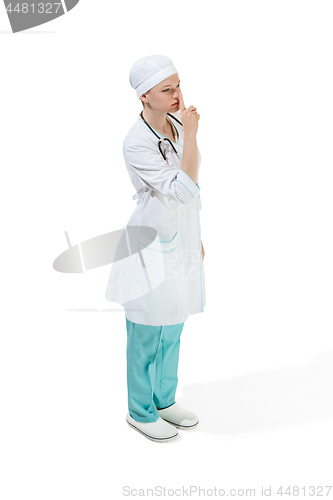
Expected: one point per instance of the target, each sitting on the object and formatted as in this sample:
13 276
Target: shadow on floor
264 400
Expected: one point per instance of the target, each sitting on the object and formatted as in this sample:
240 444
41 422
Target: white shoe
159 431
179 417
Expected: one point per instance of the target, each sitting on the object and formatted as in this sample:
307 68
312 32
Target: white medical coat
169 283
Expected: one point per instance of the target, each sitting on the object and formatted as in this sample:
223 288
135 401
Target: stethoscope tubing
162 139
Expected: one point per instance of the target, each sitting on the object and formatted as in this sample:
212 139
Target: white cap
149 71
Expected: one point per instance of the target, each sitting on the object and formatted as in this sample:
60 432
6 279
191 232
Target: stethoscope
164 139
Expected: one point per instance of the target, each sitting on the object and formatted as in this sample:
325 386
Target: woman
158 273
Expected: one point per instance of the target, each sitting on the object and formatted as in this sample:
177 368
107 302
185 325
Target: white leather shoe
179 417
159 431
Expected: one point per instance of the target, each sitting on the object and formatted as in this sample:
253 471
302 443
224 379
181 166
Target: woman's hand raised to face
189 117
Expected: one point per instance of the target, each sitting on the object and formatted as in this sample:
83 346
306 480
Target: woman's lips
176 104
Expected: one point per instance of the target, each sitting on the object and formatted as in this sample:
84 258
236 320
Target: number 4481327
40 8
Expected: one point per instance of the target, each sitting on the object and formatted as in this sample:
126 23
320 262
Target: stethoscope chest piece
164 146
163 140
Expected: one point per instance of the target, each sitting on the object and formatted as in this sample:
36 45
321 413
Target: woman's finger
181 102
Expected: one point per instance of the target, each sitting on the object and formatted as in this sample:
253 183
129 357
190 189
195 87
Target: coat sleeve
157 174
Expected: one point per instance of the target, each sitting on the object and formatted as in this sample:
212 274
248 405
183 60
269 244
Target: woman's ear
143 100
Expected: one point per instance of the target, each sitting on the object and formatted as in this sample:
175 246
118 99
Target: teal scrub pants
152 363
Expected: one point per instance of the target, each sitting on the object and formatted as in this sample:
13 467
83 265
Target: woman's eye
166 90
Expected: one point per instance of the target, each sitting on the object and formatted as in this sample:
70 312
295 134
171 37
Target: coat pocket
159 255
162 242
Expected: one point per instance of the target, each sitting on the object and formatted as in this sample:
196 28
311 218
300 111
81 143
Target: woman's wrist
190 136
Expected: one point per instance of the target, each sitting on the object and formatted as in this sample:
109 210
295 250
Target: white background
256 366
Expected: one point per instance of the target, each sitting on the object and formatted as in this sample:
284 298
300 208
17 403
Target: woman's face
164 95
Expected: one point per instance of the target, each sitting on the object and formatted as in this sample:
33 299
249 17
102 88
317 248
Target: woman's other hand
202 251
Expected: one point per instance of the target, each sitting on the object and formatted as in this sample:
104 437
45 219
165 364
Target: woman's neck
157 120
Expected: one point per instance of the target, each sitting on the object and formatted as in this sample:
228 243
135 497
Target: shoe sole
182 427
158 440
